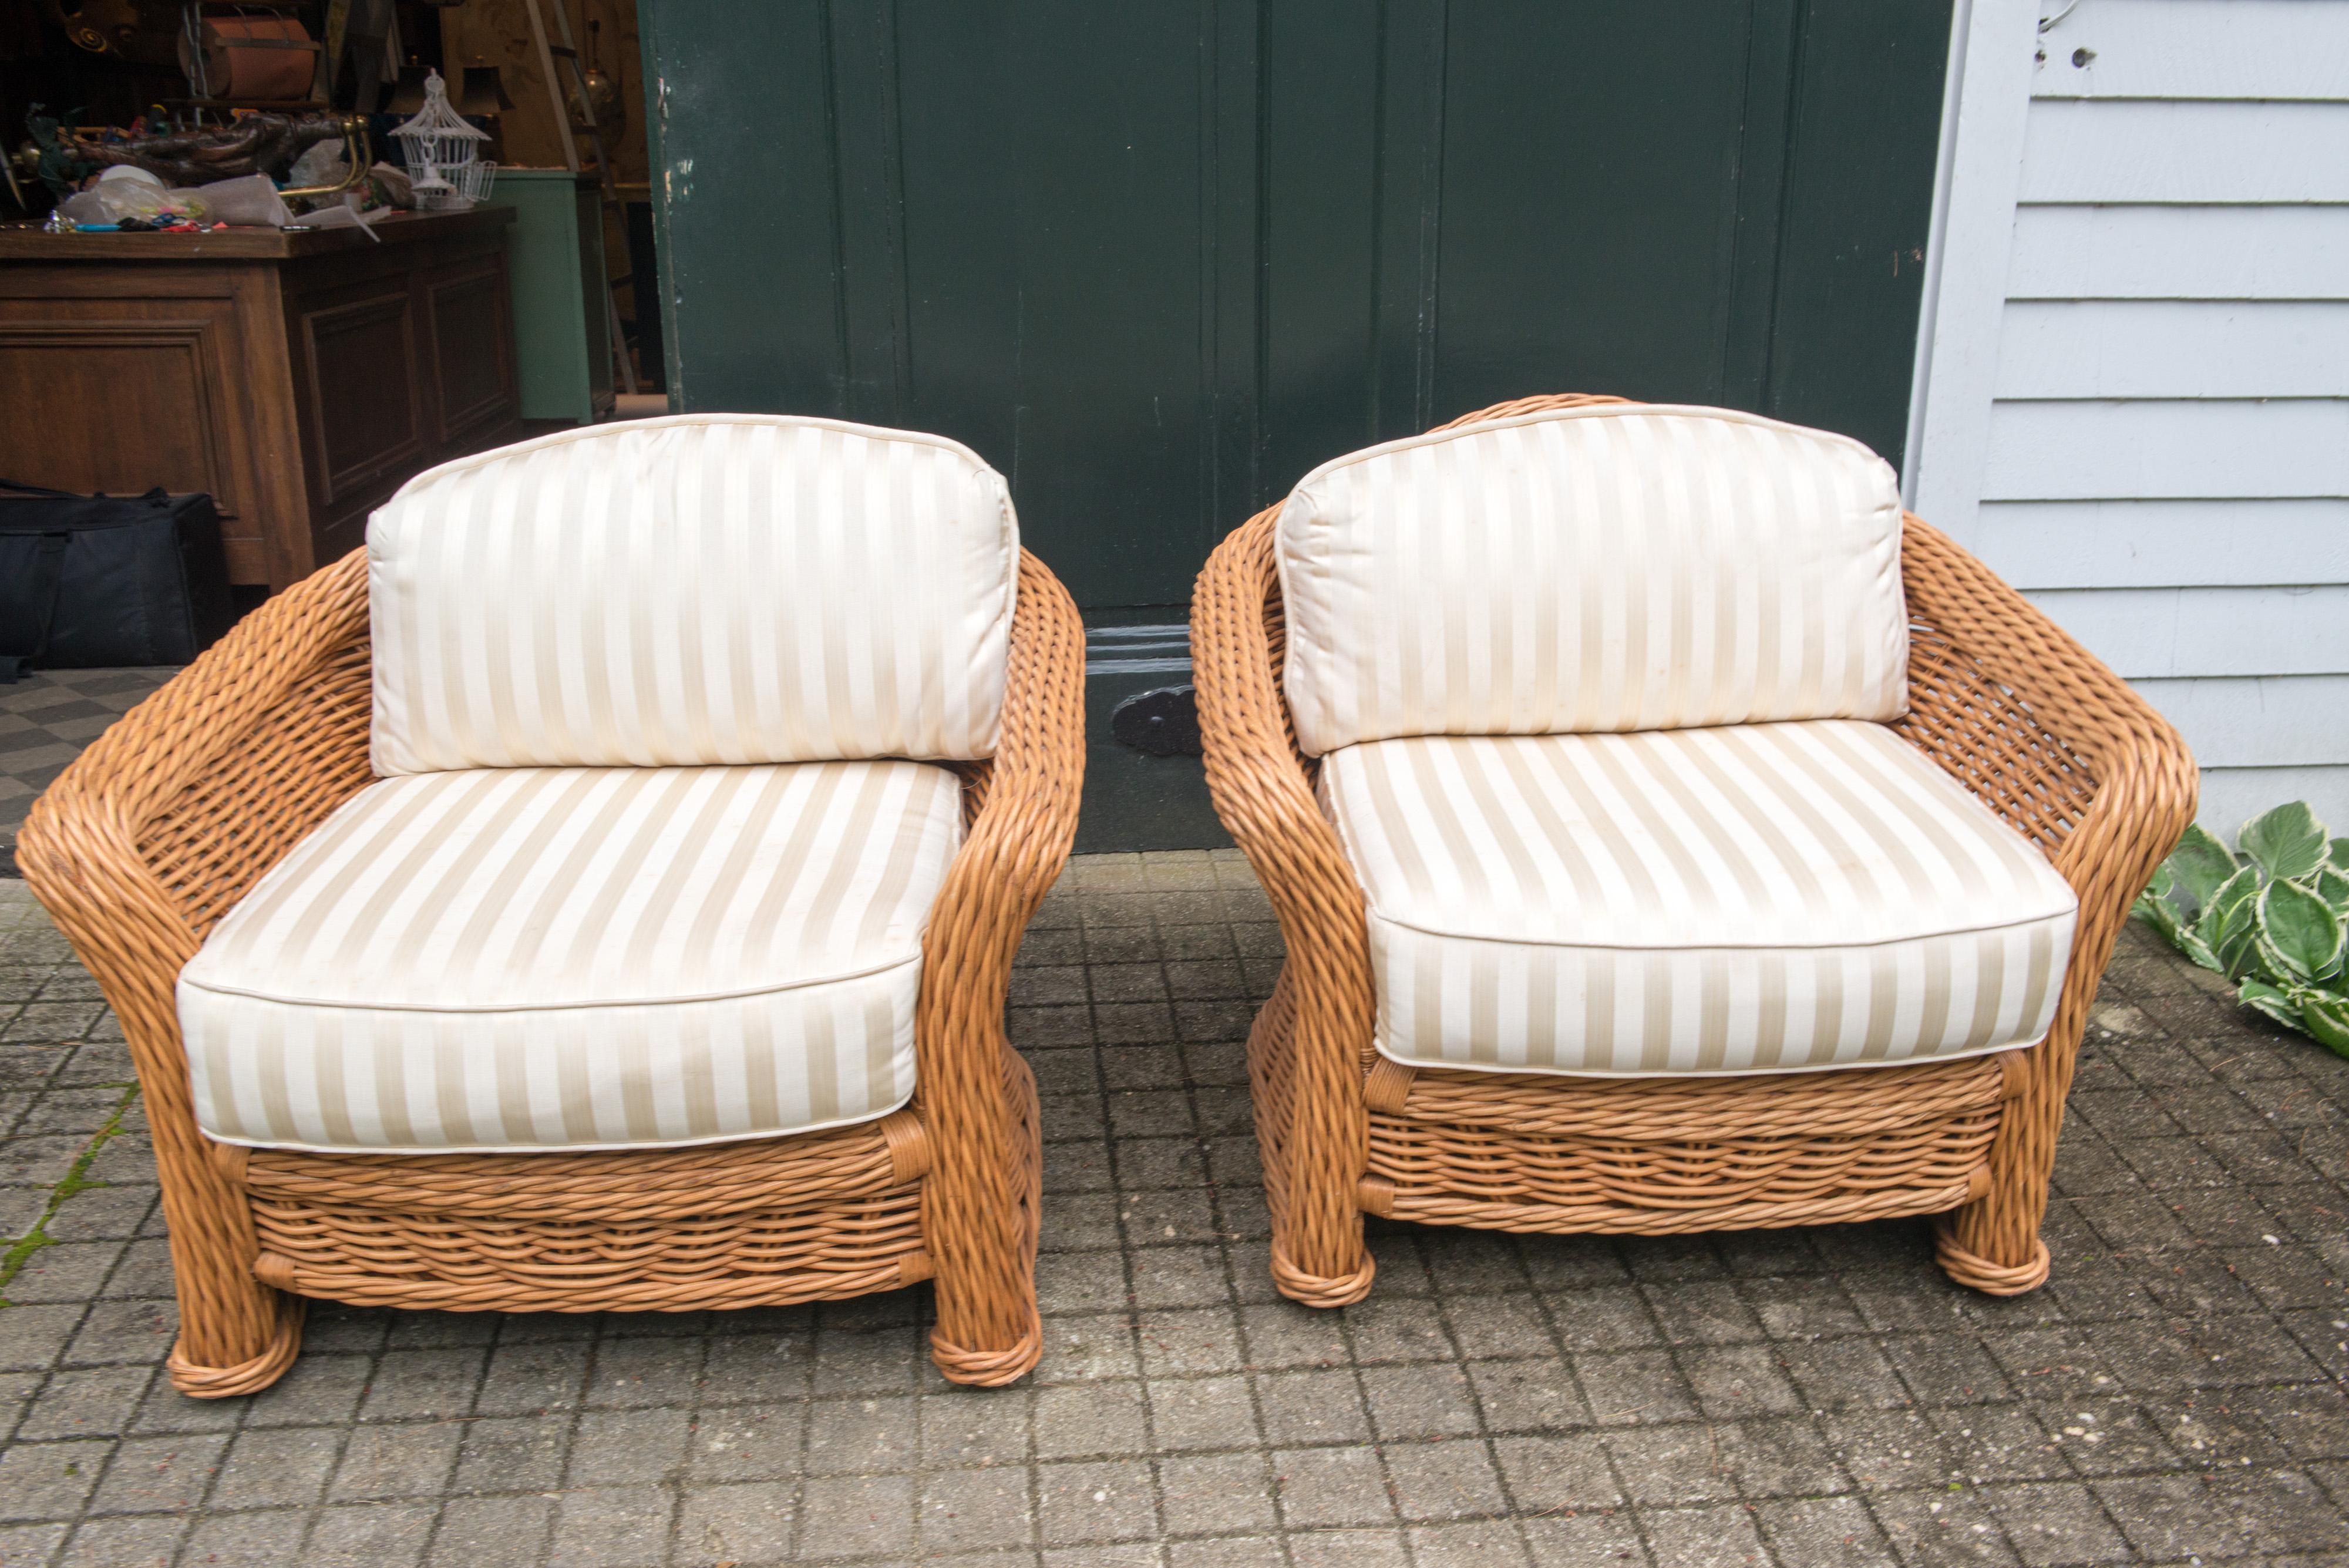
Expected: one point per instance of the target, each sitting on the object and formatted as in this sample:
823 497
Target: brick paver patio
2175 1395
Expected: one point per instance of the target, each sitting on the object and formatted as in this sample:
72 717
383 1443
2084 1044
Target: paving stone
523 1454
160 1475
373 1535
1331 1485
122 1543
1099 1502
620 1447
1447 1480
2055 1523
397 1461
1703 1537
275 1468
86 1402
492 1533
611 1526
1492 1545
966 1510
1216 1494
49 1481
268 1540
739 1525
1803 1532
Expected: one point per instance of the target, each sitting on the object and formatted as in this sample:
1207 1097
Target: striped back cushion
1613 567
701 589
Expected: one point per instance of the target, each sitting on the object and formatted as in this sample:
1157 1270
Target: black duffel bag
87 581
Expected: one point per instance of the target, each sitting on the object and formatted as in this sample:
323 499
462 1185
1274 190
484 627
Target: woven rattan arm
1311 1046
2061 747
161 823
979 1200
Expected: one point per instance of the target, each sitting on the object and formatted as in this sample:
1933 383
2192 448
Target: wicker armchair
171 818
2004 702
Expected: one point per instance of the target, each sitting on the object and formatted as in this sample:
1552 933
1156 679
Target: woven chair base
1665 1157
768 1222
1540 1154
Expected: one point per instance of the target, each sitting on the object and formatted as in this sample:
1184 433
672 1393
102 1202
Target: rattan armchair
2000 698
173 814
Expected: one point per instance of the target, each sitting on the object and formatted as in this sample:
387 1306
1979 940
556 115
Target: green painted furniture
563 342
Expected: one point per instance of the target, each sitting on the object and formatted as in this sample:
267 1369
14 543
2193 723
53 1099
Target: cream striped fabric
577 958
710 588
1754 899
1593 569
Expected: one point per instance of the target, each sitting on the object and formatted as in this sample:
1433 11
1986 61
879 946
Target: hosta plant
2272 916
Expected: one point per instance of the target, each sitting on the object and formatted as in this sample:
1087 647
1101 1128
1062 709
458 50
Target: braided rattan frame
2015 709
171 814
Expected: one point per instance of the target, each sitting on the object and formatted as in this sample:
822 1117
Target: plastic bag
248 199
322 164
130 193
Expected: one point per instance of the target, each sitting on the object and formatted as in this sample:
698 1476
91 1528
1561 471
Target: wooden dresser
298 376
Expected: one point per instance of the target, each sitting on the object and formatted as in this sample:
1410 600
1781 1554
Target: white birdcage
443 153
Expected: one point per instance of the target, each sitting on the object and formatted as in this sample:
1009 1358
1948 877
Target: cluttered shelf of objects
30 242
172 174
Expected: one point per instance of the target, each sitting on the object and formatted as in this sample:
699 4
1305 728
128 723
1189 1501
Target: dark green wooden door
1156 259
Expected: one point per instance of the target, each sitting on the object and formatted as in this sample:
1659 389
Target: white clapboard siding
2133 375
2256 721
2180 251
2198 50
2164 543
2166 633
2139 151
2173 348
2233 796
2118 449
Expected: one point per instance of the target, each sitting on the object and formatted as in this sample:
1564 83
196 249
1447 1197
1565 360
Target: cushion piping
1572 943
470 1007
1666 1074
792 1131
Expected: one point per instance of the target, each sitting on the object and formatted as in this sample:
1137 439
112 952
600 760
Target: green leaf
2192 944
2333 888
2199 864
2298 929
2285 842
2325 1015
2238 892
2262 998
2229 923
2337 852
2159 913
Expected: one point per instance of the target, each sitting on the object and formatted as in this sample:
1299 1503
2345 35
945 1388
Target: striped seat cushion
1763 898
577 958
1613 567
707 588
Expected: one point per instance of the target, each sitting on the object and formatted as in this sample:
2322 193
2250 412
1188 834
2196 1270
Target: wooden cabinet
297 376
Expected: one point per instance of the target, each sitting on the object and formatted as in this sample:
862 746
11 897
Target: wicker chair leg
988 1332
1993 1243
1311 1171
237 1335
